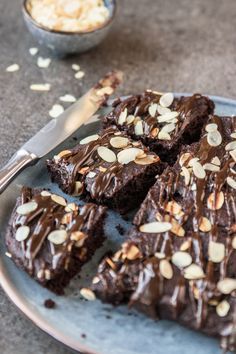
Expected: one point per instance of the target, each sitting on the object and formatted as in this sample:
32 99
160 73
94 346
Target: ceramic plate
108 330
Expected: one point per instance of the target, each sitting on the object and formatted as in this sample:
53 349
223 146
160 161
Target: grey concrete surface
176 45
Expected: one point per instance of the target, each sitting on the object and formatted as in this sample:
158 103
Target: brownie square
51 239
109 168
160 121
179 261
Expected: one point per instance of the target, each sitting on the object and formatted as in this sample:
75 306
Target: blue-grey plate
108 330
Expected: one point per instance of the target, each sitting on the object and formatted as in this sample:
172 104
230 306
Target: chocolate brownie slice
51 239
160 121
109 168
179 261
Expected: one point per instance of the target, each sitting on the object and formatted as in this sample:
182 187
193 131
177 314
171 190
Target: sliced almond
147 160
231 182
128 155
215 201
216 251
204 224
43 63
138 128
131 252
211 127
45 194
231 146
80 74
227 285
152 109
78 188
162 135
83 170
173 207
68 98
185 245
22 233
167 99
167 116
75 67
193 272
186 175
119 142
107 90
67 218
27 208
89 138
57 236
222 309
234 243
40 87
233 154
168 128
160 255
95 280
106 154
122 117
162 110
184 158
47 274
130 119
56 110
88 294
181 259
211 167
214 138
58 199
233 135
177 229
79 237
216 161
154 132
71 207
155 227
33 51
62 154
166 269
198 170
12 68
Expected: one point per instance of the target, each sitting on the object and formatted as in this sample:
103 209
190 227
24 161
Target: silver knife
59 129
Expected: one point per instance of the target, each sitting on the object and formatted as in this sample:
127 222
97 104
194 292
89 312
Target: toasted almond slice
231 182
79 75
108 90
152 109
173 207
22 233
83 170
95 280
168 128
226 286
234 243
233 154
12 68
130 119
162 110
215 201
106 154
119 142
79 237
204 224
78 188
138 128
71 207
193 272
166 269
89 138
128 155
186 175
58 199
231 146
40 87
132 253
167 99
57 236
43 63
68 98
162 135
122 117
211 127
198 170
61 154
181 259
45 194
211 167
184 158
155 227
177 229
154 132
167 116
214 138
216 251
192 161
216 161
88 294
56 110
185 245
27 208
160 255
147 160
222 309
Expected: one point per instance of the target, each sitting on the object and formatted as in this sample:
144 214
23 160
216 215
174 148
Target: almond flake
204 224
211 127
167 116
163 135
45 194
215 201
147 160
22 233
160 255
152 109
216 161
216 251
79 75
8 254
154 132
57 237
173 207
162 110
106 154
214 138
231 182
138 128
167 99
89 138
233 154
186 175
122 117
75 67
181 259
95 280
185 245
58 199
107 90
223 308
193 272
177 229
33 51
192 161
91 174
234 243
184 158
79 237
12 68
56 110
119 142
71 207
231 146
128 155
78 188
226 286
166 269
88 294
27 208
198 170
233 135
168 128
43 62
68 98
155 227
62 153
131 252
130 119
211 167
40 87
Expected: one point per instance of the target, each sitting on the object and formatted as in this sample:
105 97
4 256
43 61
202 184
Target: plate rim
20 303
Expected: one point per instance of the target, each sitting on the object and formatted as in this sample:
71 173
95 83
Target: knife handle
17 163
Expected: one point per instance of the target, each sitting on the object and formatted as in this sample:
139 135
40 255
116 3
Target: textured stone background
176 45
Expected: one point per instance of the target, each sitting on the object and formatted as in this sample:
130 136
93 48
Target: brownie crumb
49 304
120 229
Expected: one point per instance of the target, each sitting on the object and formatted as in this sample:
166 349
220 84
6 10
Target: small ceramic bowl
63 43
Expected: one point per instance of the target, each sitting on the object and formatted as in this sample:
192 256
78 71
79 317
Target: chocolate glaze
139 282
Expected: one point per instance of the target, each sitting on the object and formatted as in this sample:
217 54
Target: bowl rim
44 28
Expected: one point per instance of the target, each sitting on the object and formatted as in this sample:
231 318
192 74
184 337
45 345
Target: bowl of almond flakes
69 26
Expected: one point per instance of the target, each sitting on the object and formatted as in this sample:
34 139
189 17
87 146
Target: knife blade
59 129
